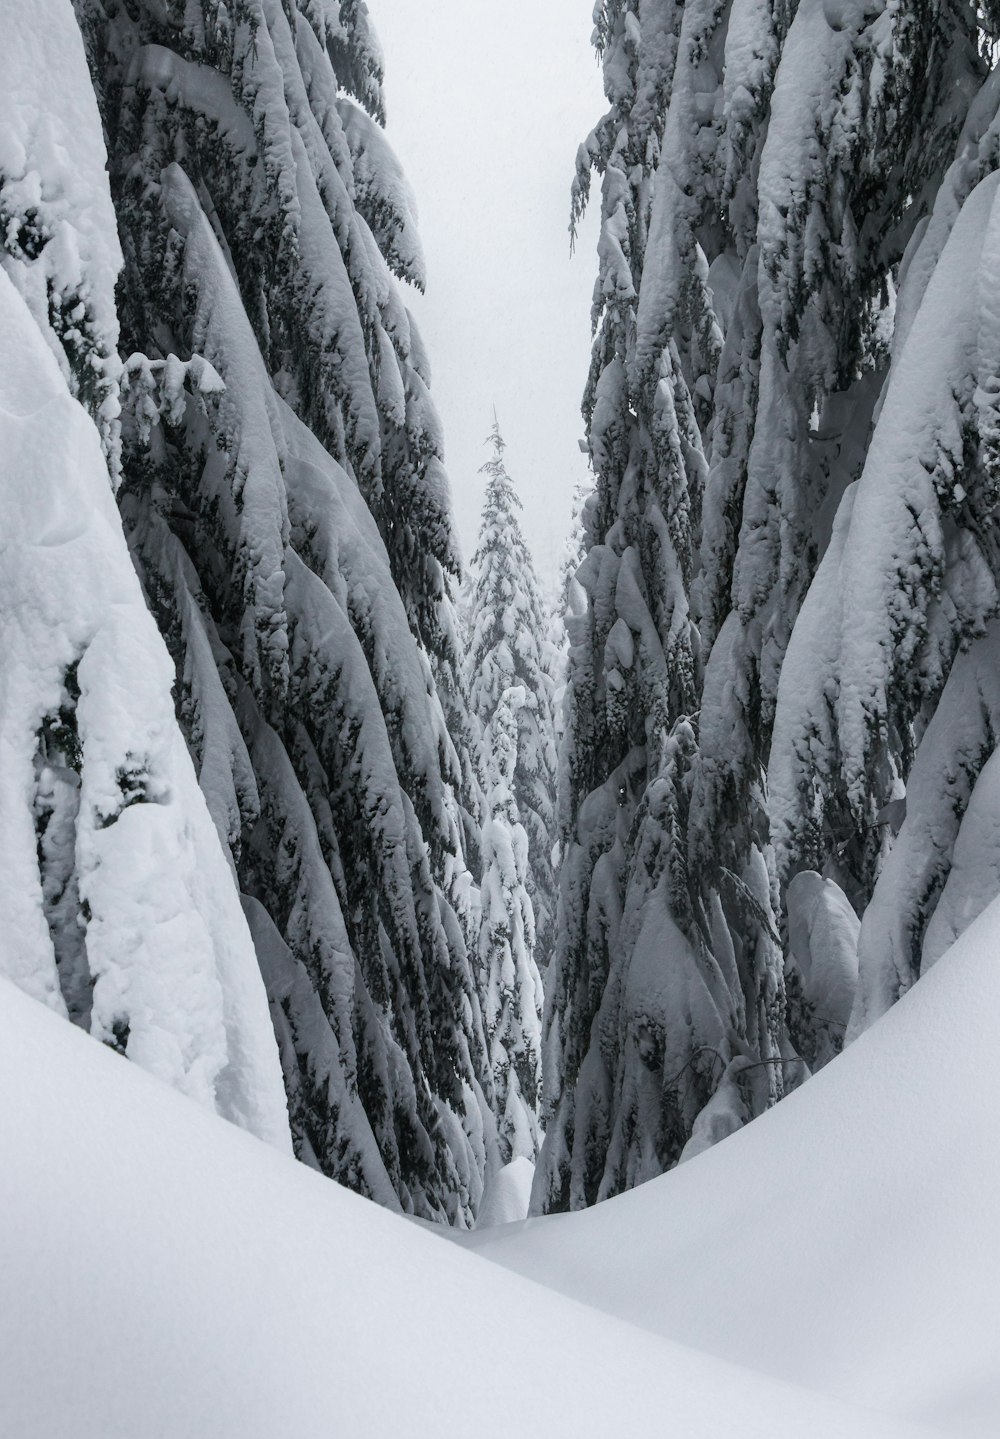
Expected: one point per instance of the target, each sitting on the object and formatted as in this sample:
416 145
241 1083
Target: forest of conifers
480 895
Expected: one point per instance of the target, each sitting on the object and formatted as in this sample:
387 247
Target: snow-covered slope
849 1238
165 1274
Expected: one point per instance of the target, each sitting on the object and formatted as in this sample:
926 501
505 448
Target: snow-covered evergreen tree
507 647
288 513
749 276
117 905
509 975
623 1085
779 779
900 734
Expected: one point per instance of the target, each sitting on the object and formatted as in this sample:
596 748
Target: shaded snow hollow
846 1240
166 1274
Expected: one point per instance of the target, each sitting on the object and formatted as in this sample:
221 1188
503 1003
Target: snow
383 195
54 184
823 939
976 153
847 1239
168 1275
896 538
908 580
958 737
974 878
171 959
505 1199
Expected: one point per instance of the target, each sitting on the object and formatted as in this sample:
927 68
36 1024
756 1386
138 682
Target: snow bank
167 1275
848 1238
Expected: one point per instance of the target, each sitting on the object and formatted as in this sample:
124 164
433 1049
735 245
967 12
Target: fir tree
884 776
750 278
118 905
507 647
509 976
292 531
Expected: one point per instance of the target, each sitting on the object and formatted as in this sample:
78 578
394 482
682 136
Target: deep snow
165 1275
848 1239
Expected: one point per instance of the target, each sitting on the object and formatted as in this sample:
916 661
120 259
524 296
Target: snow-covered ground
848 1240
165 1274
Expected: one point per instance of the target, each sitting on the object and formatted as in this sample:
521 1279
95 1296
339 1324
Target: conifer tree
887 773
117 902
509 975
625 1077
507 648
291 527
750 277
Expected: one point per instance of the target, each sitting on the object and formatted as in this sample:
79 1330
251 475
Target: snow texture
58 233
163 1270
862 1206
86 709
507 1194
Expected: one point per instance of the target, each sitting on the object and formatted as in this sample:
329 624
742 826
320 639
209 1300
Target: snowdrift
166 1274
849 1238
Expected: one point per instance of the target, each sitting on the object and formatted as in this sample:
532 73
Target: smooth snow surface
165 1274
507 1194
848 1239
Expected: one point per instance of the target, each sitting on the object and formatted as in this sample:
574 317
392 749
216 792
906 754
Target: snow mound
166 1274
848 1238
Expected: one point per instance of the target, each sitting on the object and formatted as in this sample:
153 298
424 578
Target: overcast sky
487 103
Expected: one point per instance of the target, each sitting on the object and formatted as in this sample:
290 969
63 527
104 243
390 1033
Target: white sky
487 103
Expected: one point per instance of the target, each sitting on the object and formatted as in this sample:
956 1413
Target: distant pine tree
509 975
507 647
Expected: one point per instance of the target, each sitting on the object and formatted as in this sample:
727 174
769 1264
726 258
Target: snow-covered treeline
261 391
782 712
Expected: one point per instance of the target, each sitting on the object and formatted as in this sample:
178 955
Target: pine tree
622 1084
750 278
117 900
291 528
887 774
509 975
507 648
